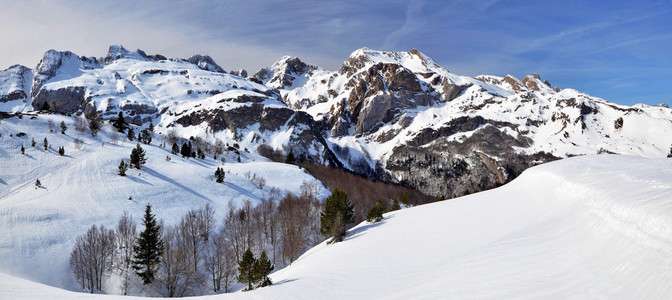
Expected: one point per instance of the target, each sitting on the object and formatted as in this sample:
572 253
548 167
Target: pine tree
176 149
395 205
38 184
338 213
289 159
61 151
23 150
219 175
123 166
148 248
406 199
120 123
376 213
33 143
131 134
63 127
246 269
145 137
670 154
45 107
45 144
137 157
186 150
262 268
151 127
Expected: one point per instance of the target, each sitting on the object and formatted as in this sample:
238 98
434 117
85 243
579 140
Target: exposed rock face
206 62
394 116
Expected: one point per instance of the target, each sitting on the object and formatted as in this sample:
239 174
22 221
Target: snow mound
584 227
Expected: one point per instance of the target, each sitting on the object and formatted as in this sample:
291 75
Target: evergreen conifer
131 134
148 248
262 268
246 269
137 157
63 127
45 107
338 213
45 143
376 213
123 166
289 159
23 150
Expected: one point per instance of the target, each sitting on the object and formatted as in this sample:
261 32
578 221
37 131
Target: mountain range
392 116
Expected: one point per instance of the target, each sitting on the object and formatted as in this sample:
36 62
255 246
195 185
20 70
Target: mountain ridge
392 116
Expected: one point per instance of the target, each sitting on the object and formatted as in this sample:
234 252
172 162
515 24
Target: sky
617 50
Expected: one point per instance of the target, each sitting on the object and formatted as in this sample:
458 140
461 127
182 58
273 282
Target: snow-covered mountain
586 227
393 116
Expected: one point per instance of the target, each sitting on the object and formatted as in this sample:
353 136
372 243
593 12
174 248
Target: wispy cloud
412 23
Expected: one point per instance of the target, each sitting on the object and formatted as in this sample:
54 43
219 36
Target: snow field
82 188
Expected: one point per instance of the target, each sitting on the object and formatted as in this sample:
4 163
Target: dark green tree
148 248
33 143
45 107
61 151
176 149
669 155
406 199
246 270
289 159
395 205
123 166
38 184
145 136
262 268
45 143
131 134
120 123
186 150
337 215
219 175
376 213
63 127
151 127
23 150
137 157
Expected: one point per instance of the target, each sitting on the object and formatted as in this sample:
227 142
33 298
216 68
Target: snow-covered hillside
82 188
585 227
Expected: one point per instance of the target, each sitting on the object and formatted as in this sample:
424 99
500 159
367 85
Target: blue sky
617 50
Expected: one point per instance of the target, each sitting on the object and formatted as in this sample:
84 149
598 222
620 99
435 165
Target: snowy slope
585 227
82 188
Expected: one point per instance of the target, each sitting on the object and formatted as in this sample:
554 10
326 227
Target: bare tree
294 220
239 228
267 221
125 236
81 124
177 273
78 143
171 136
115 137
93 256
220 262
218 148
51 124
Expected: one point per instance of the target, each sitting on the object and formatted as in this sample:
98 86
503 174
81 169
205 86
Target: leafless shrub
78 143
81 124
51 124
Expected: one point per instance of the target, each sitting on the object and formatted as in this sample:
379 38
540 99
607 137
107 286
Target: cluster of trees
200 252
